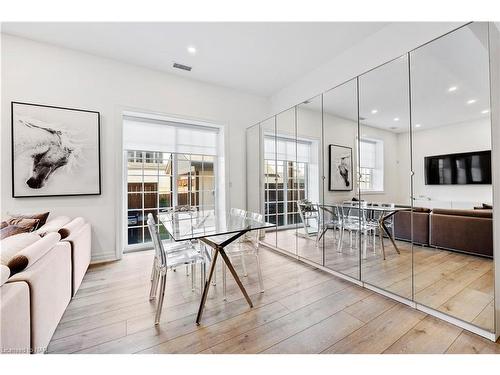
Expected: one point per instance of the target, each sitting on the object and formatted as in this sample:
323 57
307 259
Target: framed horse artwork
55 151
340 168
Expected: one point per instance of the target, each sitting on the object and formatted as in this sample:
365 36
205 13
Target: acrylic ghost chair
248 245
164 260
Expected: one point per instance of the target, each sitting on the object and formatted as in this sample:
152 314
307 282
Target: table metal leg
220 249
207 286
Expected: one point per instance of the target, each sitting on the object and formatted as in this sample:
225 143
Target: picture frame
55 151
340 168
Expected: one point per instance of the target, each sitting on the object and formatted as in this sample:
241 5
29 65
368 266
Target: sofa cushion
4 274
486 213
14 244
42 217
53 225
72 227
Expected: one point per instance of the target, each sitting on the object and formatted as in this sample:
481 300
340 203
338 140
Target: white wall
456 138
44 74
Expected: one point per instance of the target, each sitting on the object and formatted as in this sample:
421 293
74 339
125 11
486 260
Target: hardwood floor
457 284
303 310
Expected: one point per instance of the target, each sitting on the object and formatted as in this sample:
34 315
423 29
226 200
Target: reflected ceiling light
396 118
374 111
452 88
485 111
418 125
471 101
191 50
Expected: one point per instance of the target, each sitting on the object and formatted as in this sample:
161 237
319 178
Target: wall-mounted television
468 168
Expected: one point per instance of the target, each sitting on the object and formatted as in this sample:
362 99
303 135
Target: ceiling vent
182 67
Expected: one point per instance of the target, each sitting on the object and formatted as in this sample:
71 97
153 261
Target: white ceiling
459 59
259 58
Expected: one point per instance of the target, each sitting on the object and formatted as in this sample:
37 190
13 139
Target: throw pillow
42 217
29 224
11 230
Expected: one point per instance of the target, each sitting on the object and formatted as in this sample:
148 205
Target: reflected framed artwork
340 168
55 151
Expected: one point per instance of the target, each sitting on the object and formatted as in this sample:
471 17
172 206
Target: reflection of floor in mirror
457 284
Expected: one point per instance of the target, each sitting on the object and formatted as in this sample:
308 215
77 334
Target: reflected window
371 164
286 179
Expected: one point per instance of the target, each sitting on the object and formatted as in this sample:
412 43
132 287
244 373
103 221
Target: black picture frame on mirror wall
55 151
340 168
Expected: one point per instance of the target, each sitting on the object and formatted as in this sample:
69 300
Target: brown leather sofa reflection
467 231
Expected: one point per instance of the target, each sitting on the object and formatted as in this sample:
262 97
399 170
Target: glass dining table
384 214
217 229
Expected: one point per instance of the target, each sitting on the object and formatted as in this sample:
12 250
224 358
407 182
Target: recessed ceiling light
452 88
471 101
418 125
374 111
191 50
485 111
396 118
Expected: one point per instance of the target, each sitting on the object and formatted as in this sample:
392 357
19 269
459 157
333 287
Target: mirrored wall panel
253 155
387 178
384 172
310 181
340 210
269 176
287 185
453 223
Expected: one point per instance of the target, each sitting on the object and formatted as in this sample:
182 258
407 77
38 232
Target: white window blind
287 149
368 154
169 136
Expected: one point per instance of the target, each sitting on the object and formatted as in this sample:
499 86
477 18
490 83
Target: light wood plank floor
303 310
460 285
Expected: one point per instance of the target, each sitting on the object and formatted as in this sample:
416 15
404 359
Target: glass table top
366 207
184 226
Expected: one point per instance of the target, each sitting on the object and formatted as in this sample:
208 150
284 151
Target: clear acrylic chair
329 218
246 245
308 213
165 259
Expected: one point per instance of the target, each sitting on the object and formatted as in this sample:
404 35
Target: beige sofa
34 299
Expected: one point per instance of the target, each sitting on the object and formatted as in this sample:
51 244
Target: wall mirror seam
387 178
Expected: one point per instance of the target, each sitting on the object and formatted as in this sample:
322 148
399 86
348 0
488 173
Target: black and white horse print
50 148
55 151
343 168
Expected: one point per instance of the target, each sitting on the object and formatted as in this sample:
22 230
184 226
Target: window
371 164
157 181
285 179
182 171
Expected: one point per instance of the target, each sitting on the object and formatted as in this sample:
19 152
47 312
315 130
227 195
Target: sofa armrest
81 241
72 228
4 274
49 281
32 253
15 321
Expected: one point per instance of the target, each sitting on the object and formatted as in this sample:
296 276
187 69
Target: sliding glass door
157 181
